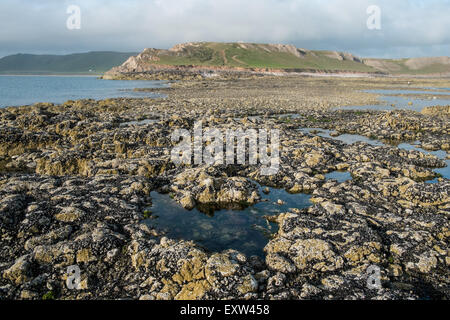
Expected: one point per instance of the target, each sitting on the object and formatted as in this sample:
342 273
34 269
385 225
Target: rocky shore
76 180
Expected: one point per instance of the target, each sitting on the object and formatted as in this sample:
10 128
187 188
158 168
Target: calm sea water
25 90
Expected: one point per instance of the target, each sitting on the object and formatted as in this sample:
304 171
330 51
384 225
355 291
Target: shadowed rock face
76 178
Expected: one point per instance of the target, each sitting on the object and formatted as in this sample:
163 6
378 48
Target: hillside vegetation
275 57
246 55
414 66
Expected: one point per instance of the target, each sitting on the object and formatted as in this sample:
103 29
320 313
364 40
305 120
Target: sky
408 28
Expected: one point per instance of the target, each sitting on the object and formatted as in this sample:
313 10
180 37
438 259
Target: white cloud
409 27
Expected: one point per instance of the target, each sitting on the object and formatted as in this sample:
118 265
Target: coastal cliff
208 59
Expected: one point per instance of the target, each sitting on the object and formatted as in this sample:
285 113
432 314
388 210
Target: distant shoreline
51 74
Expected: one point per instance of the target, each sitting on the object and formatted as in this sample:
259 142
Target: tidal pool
340 176
346 138
441 154
444 172
246 230
352 138
390 102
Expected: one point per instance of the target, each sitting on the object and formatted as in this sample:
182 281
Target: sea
27 90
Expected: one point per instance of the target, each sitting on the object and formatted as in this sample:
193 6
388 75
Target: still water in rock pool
391 101
346 138
352 138
441 154
247 230
340 176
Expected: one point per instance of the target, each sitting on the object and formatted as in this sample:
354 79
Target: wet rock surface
75 180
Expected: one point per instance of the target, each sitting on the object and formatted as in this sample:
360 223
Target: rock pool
390 100
340 176
247 230
352 138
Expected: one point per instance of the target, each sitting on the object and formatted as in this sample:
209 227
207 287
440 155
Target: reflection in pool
247 230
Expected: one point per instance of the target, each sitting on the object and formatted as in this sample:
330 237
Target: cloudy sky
409 28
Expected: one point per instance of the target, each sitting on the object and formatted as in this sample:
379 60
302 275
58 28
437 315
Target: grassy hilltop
215 55
250 55
275 56
412 66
